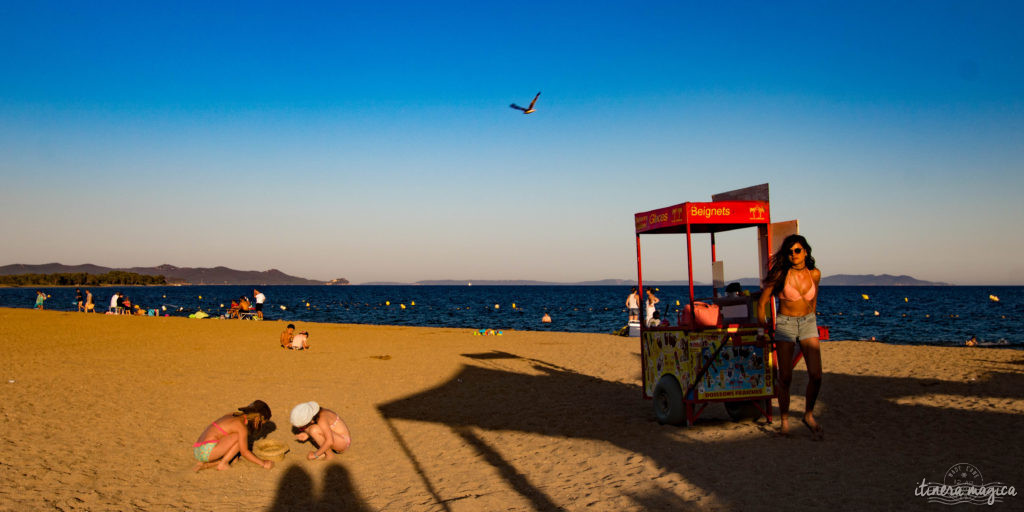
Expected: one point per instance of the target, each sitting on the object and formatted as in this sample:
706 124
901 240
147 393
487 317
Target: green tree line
115 277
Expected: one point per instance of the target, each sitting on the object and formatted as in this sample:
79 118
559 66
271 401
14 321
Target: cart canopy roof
712 217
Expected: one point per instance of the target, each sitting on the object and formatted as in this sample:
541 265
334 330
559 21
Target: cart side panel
665 353
743 367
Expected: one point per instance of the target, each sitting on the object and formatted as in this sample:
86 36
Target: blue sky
375 142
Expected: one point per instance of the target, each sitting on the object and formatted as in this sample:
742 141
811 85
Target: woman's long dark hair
259 408
780 265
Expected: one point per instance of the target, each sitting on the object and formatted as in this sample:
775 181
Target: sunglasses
797 250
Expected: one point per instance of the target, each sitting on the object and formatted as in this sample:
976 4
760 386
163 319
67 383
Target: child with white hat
323 426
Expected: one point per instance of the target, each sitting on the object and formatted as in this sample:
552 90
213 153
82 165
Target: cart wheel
668 401
747 410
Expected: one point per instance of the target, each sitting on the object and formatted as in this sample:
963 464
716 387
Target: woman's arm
816 275
243 447
762 303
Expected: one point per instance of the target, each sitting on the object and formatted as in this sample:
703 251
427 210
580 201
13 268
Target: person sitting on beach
733 290
972 341
233 310
546 319
794 279
229 436
293 340
244 305
655 320
321 426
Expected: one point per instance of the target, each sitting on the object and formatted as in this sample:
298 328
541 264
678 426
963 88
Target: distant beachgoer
633 305
294 340
114 303
323 426
286 336
229 436
89 306
734 289
79 299
546 319
244 304
794 279
655 320
972 341
260 298
651 307
40 298
233 310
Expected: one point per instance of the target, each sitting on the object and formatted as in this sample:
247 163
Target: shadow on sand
295 492
874 455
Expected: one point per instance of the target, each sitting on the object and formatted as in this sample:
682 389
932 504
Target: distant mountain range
836 280
174 275
228 276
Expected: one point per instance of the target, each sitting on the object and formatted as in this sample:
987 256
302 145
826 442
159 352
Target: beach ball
200 297
864 295
387 303
402 305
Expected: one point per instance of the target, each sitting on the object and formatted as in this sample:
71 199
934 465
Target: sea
917 315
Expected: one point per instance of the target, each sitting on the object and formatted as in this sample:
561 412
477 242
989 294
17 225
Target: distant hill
174 275
876 280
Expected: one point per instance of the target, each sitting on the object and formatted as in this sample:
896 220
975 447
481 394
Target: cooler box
634 329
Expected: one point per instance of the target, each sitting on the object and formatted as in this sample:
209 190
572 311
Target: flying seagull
527 110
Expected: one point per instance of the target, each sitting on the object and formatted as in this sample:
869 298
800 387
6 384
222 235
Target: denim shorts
795 328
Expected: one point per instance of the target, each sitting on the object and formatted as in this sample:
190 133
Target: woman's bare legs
785 350
221 454
812 358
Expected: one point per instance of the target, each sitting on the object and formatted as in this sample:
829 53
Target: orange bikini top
791 294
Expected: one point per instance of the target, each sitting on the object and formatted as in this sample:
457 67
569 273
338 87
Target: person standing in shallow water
633 305
794 279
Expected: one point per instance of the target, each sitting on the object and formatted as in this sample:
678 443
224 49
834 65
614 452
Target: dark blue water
945 315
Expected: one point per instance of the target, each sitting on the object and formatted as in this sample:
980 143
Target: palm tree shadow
563 403
295 492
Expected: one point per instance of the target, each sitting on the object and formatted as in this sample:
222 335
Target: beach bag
705 315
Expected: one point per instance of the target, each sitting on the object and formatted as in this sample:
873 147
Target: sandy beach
99 413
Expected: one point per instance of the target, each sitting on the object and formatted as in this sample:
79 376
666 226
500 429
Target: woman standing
794 279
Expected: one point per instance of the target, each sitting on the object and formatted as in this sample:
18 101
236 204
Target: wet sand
103 410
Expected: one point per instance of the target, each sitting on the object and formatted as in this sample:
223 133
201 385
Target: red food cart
714 350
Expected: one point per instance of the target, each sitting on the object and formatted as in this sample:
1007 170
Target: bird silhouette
527 110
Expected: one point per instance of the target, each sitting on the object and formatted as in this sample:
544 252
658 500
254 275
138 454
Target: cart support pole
689 273
640 284
714 289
